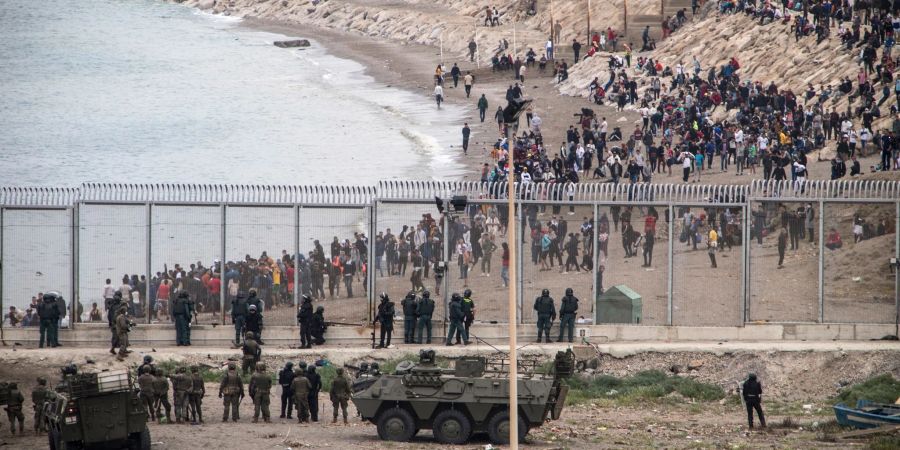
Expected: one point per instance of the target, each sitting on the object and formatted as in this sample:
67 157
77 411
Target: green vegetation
642 386
882 389
885 443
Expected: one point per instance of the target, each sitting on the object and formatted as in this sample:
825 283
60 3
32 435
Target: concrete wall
98 335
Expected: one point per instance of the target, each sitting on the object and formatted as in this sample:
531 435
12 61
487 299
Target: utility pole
511 238
589 21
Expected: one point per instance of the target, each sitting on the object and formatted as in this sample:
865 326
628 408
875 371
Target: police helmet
569 291
384 297
252 308
311 368
545 292
117 295
306 298
148 359
426 294
302 365
363 367
374 367
320 309
252 293
467 293
248 335
751 376
261 367
455 297
51 296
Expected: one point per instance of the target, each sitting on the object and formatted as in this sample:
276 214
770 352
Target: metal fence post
370 258
896 272
73 315
821 261
149 251
745 258
520 261
446 259
671 261
296 259
595 245
224 216
2 266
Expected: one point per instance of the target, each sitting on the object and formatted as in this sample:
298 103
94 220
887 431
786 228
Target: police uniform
285 377
567 310
183 310
546 312
315 383
386 319
424 310
468 309
231 390
456 317
304 319
48 313
319 326
260 388
409 318
38 397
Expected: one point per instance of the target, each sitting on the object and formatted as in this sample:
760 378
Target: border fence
784 252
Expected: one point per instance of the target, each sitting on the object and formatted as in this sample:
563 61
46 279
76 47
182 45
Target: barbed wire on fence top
427 190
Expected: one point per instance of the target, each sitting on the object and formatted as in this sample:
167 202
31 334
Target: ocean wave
218 17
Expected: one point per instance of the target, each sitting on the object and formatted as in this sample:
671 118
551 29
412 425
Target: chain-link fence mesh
112 257
859 284
784 262
633 265
260 241
333 262
707 266
37 258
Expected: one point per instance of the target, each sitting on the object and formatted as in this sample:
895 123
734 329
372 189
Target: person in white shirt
108 290
864 136
686 159
549 48
438 95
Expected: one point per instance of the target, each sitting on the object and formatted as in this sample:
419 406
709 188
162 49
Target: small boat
867 414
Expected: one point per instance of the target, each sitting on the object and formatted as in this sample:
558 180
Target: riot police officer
424 310
567 310
285 377
48 313
253 323
238 313
183 311
315 382
386 318
304 319
319 326
546 312
456 317
409 317
260 386
112 307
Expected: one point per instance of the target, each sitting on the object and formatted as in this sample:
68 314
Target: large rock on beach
292 43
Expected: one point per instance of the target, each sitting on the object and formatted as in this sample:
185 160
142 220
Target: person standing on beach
438 95
482 107
468 80
466 132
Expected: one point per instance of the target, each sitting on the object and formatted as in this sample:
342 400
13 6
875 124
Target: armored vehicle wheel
452 427
140 441
396 424
498 428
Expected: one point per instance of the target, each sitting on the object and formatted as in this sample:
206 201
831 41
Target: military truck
472 397
96 410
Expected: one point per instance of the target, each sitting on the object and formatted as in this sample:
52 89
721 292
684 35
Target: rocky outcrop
292 43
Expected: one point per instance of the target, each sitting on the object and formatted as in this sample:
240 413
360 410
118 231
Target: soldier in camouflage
161 395
231 389
260 389
301 387
148 398
252 353
38 397
340 394
181 386
14 409
198 391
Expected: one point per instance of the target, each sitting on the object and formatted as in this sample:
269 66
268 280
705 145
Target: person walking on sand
438 95
499 116
466 132
782 245
472 47
455 73
482 107
468 81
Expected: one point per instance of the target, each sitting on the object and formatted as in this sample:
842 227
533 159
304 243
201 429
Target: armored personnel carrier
472 397
96 410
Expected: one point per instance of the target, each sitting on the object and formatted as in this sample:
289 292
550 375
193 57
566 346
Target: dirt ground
798 385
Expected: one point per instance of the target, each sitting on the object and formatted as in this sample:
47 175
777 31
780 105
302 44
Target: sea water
150 92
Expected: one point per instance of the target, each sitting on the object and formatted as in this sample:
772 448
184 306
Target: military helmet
302 365
51 296
426 294
248 335
311 369
374 367
384 297
363 367
261 367
320 309
569 291
751 376
195 369
148 359
340 371
467 293
545 292
232 365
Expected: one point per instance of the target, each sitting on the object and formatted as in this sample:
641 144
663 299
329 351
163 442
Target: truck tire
140 441
451 426
396 424
498 428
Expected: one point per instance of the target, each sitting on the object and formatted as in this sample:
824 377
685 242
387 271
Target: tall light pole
589 21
